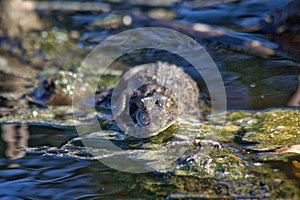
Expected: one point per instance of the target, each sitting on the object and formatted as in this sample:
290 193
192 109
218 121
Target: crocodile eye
169 103
157 102
149 95
135 94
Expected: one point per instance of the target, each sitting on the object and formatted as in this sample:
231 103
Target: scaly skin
152 97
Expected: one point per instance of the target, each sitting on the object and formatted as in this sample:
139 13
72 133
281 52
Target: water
34 166
41 156
42 162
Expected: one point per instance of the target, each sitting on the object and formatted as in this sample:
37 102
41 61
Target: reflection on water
46 177
40 176
16 137
33 162
47 174
45 171
295 98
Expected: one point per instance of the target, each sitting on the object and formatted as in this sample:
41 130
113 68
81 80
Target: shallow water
37 164
41 156
40 174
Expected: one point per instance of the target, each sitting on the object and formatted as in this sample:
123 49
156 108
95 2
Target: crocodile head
153 108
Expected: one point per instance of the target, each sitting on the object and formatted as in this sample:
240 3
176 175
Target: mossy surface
231 171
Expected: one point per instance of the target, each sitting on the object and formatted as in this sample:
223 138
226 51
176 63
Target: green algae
263 130
271 129
58 48
234 171
58 116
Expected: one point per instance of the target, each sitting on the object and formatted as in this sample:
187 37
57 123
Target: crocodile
146 100
151 97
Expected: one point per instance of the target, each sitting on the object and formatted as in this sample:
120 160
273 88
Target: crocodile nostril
144 119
